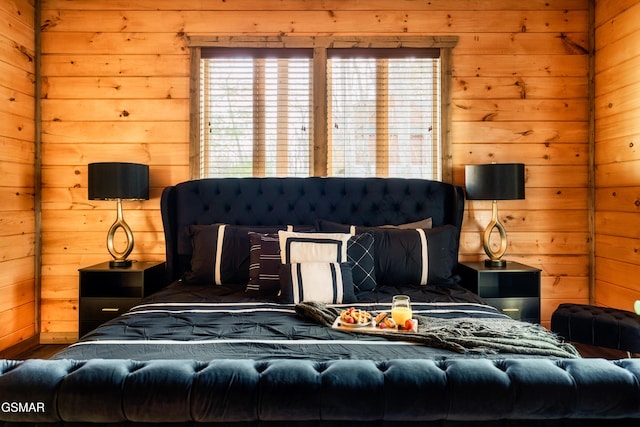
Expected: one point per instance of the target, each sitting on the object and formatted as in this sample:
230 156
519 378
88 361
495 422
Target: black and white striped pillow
325 282
264 266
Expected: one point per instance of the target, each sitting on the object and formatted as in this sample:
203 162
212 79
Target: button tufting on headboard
301 201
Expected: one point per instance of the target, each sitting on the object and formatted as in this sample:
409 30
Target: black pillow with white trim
221 252
406 256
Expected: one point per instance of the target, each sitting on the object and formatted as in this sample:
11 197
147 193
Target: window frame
320 45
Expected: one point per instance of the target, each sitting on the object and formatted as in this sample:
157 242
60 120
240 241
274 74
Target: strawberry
408 325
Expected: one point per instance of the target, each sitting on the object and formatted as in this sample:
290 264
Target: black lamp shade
116 180
495 181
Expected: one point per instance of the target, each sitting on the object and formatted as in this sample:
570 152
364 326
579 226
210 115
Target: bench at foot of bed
477 391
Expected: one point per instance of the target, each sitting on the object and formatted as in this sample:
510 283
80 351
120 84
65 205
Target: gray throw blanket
462 335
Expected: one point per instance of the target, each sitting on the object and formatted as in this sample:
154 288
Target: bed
259 269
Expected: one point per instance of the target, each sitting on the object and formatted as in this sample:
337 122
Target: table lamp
495 181
119 181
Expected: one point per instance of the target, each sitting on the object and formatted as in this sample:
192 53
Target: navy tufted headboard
300 201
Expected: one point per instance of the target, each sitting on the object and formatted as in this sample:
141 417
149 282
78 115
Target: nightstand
107 292
515 289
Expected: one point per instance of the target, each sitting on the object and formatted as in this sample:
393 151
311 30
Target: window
318 109
255 113
384 112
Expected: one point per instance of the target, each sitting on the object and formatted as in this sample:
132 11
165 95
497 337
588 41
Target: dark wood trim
194 112
446 77
37 166
301 42
320 162
591 185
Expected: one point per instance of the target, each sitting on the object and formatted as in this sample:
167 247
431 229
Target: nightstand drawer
527 309
515 289
107 292
103 309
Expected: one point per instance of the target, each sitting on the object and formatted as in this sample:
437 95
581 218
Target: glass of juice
401 309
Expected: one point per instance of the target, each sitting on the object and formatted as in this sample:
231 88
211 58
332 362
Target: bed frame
453 392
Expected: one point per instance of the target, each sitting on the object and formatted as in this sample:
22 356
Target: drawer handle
111 309
511 310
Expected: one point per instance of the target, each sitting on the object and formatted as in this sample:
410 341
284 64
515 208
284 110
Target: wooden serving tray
370 328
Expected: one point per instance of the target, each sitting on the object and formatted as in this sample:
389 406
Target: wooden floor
47 350
43 351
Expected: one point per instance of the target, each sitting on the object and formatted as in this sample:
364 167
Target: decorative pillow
409 256
315 247
221 252
329 226
326 282
265 261
264 266
360 253
423 223
420 256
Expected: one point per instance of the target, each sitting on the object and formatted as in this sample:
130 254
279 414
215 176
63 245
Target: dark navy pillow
221 252
414 257
409 257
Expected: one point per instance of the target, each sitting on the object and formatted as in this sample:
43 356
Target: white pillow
298 247
326 282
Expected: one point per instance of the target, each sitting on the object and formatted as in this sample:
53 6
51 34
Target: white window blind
382 118
384 113
255 114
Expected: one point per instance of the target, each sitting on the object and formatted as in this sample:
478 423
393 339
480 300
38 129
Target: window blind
255 115
384 115
382 118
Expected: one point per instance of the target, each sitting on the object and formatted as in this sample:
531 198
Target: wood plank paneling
519 93
530 154
529 43
410 5
116 65
626 249
123 132
308 21
17 148
617 240
115 88
519 88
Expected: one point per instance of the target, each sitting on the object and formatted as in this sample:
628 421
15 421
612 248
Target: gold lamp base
495 257
495 263
120 258
120 263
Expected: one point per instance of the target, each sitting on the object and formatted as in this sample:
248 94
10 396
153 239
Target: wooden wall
617 148
115 87
17 143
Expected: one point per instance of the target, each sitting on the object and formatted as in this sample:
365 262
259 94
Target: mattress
206 322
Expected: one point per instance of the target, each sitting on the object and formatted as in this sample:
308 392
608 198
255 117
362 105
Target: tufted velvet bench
455 392
598 326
